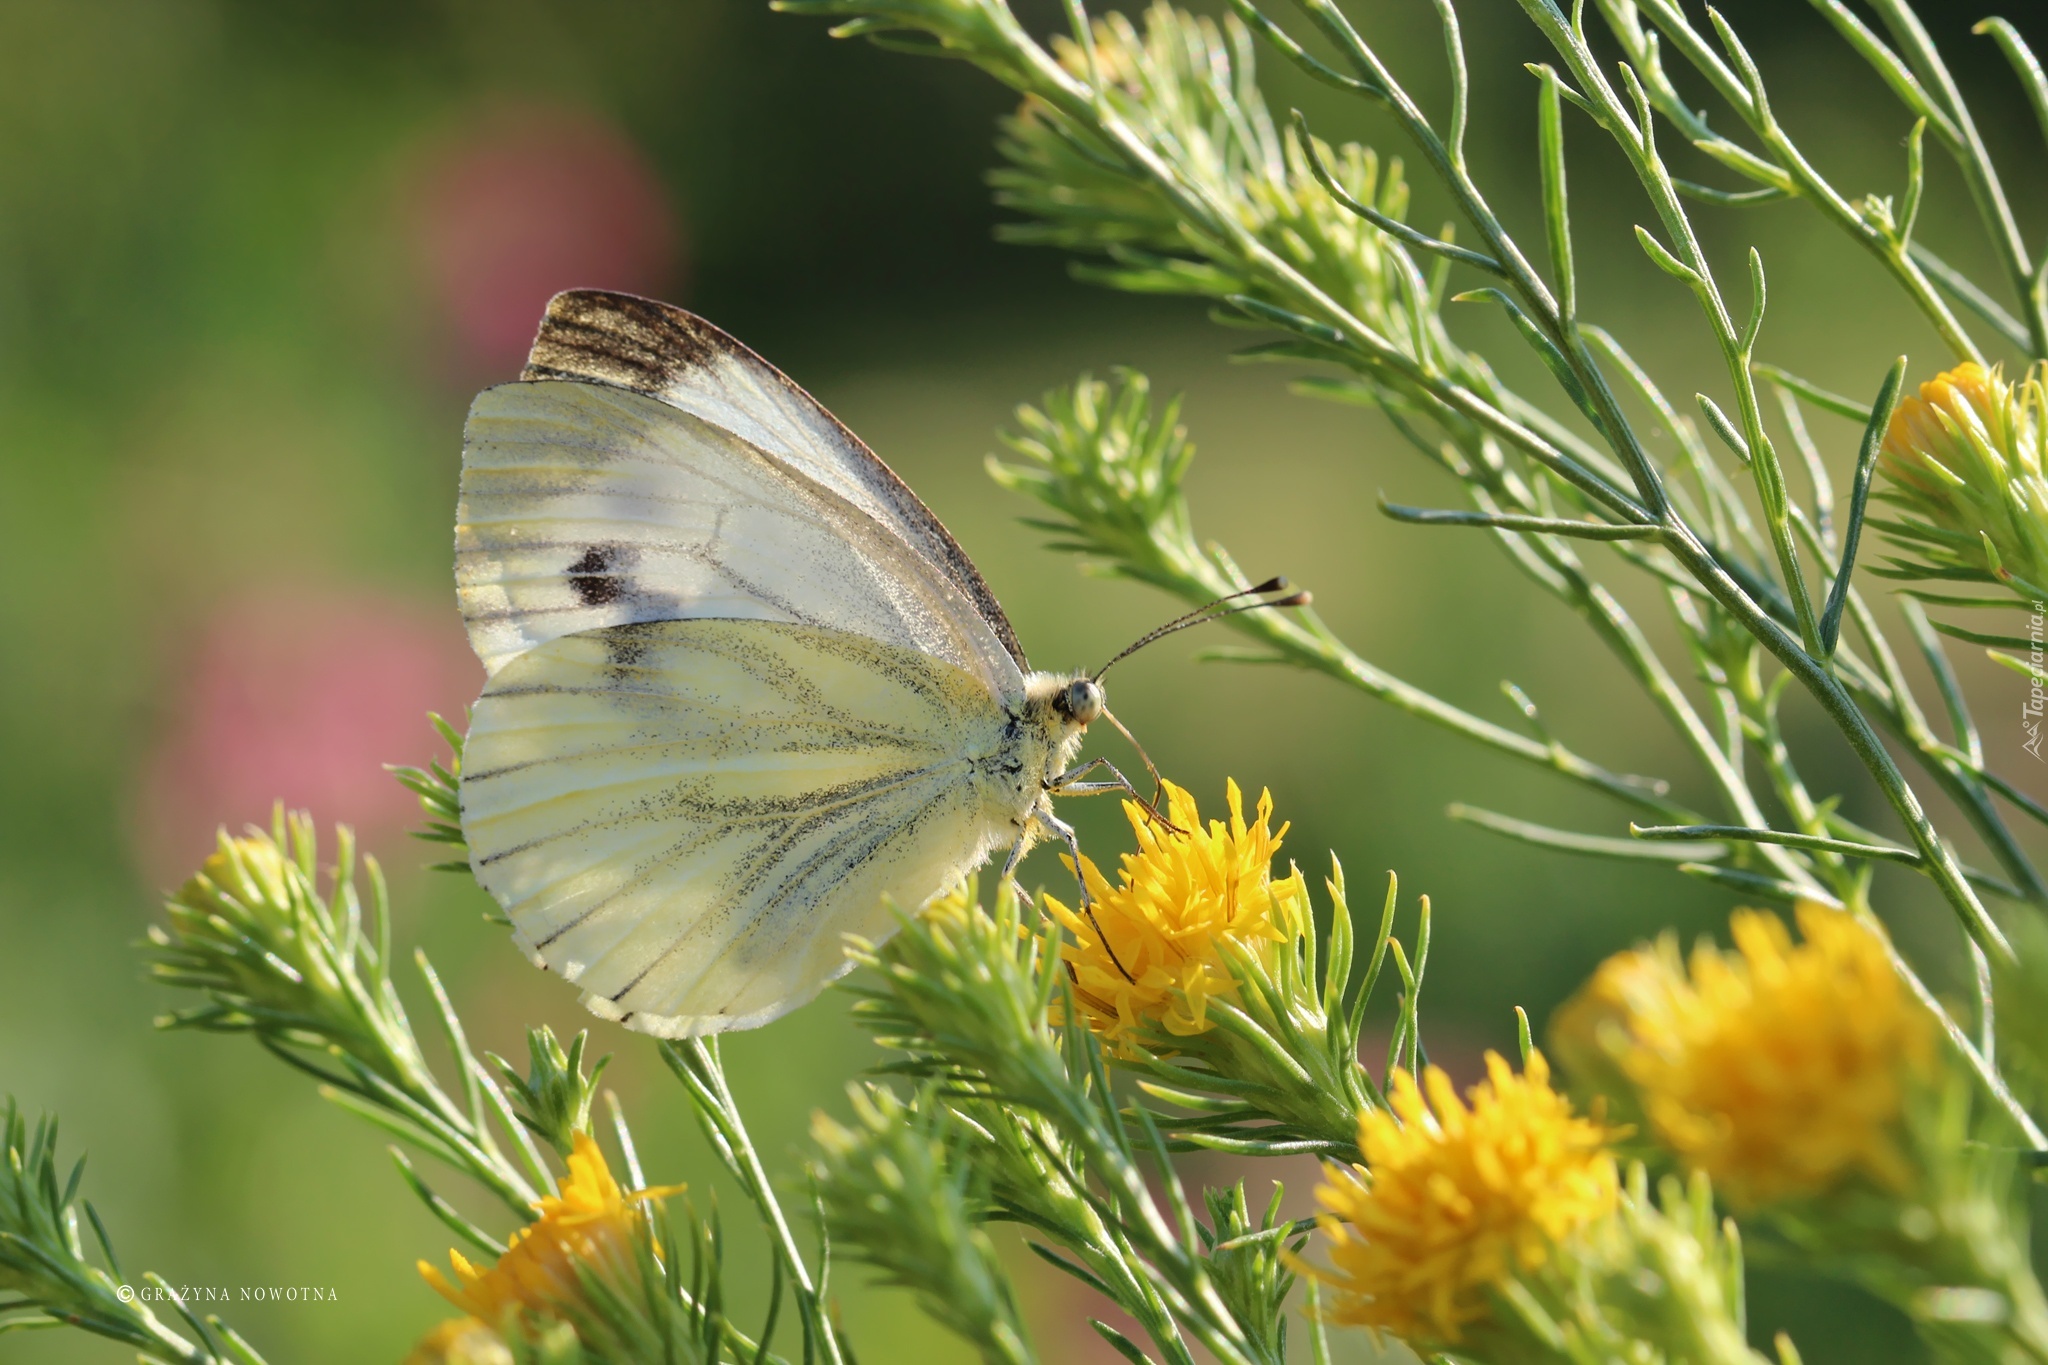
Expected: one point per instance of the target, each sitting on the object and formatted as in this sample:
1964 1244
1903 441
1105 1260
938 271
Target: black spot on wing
600 578
596 578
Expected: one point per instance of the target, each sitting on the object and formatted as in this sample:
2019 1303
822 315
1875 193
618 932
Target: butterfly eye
1084 700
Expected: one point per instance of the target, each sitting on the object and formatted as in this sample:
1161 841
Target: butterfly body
744 691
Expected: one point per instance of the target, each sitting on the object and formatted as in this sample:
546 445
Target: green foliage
310 977
553 1098
272 956
1141 126
438 786
1014 1105
896 1193
1966 474
1148 152
697 1063
304 974
1248 1259
1111 468
964 996
2022 997
1952 1253
1666 1270
47 1279
1185 90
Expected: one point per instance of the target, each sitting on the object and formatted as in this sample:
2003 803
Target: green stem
1790 170
1554 320
1975 162
698 1065
1966 781
1800 661
1303 639
1822 685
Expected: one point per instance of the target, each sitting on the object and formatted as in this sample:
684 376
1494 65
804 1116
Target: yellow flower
1777 1069
1454 1198
590 1226
1592 1033
1159 955
1966 454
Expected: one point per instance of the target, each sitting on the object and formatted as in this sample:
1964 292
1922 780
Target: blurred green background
256 255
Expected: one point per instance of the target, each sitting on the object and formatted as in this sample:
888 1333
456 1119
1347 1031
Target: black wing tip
586 306
613 337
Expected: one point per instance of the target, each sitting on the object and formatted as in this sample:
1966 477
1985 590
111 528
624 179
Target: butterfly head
1080 702
1058 709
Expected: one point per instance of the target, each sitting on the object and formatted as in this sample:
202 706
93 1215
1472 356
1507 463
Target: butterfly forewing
585 505
684 818
686 362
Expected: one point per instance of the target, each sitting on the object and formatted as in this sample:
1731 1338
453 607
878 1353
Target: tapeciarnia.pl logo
2037 700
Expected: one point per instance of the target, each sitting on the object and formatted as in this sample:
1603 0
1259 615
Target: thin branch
1554 526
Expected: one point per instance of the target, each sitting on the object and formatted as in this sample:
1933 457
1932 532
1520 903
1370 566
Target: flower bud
1964 459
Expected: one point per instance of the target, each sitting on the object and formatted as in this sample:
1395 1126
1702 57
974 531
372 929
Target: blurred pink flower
525 202
301 696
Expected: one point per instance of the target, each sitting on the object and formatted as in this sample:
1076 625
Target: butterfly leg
1041 818
1018 850
1068 784
1066 835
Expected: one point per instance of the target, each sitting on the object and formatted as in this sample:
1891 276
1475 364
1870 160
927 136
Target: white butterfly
743 688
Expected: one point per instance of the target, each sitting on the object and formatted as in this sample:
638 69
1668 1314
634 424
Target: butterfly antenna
1158 782
1212 611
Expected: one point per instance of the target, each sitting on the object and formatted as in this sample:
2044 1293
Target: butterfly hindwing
677 357
585 505
683 818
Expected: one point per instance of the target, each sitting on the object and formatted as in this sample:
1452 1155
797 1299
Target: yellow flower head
1966 454
589 1225
1777 1069
1454 1197
1159 955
